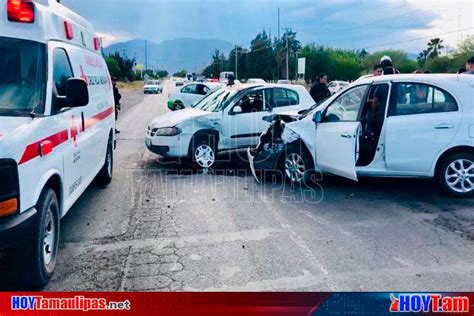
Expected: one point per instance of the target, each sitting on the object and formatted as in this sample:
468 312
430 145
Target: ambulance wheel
42 249
105 174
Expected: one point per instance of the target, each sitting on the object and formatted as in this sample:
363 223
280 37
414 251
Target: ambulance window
62 71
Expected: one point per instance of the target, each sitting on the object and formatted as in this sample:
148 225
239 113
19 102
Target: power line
419 38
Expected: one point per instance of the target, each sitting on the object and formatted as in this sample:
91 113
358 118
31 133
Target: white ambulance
57 125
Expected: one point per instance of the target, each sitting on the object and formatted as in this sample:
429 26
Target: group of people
320 92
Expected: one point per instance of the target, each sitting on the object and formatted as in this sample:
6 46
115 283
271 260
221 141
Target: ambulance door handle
82 121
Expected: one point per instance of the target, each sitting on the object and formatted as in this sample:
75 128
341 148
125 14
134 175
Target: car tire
104 176
39 259
297 165
178 105
203 151
456 175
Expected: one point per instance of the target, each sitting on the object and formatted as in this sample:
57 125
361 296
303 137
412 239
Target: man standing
117 97
470 66
378 70
320 92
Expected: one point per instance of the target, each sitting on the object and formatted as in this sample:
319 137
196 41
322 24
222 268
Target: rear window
23 77
417 98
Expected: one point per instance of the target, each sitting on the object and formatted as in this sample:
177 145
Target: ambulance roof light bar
22 11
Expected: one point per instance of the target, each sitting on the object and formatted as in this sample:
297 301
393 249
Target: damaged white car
388 126
227 119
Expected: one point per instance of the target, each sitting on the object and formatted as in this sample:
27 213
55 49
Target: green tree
113 66
434 47
399 58
126 66
180 74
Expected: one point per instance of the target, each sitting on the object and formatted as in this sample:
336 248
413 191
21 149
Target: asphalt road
161 226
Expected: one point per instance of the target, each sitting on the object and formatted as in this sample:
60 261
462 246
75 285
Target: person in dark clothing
461 70
320 92
117 98
470 66
372 124
387 65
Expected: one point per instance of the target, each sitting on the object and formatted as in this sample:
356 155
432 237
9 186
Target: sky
354 24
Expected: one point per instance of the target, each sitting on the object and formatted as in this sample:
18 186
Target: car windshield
153 82
216 101
22 83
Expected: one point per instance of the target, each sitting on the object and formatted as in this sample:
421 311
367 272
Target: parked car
224 76
190 94
228 118
423 126
284 81
179 82
336 86
255 80
153 87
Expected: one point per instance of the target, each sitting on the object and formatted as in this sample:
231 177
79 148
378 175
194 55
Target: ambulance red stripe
33 150
98 117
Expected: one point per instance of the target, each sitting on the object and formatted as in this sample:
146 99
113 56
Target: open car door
337 148
337 133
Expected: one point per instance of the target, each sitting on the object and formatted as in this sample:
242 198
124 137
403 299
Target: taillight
22 11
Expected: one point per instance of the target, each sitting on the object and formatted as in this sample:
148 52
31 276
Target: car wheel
104 176
298 165
203 151
178 106
41 253
456 175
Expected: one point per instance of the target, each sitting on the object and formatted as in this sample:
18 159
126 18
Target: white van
56 126
224 76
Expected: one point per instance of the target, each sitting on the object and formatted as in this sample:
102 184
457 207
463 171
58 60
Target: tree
125 65
113 66
422 57
434 47
180 74
399 58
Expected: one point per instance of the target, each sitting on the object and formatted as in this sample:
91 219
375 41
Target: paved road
160 226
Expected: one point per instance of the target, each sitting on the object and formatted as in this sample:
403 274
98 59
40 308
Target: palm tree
434 47
422 57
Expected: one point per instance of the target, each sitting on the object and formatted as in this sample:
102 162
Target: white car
255 80
386 126
190 94
336 86
153 87
57 123
229 118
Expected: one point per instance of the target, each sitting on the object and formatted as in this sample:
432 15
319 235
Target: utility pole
287 31
146 55
236 72
279 65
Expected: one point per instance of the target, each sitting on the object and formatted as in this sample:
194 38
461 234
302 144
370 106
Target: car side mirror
77 94
237 109
317 117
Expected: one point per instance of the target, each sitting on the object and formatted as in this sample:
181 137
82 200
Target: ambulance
57 125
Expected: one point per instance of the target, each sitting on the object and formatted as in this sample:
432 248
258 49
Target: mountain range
172 55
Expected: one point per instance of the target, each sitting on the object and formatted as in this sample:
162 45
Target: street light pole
287 55
236 72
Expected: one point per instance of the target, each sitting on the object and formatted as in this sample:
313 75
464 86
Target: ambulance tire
104 176
41 252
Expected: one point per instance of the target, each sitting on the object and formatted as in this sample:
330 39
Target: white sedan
229 118
153 87
336 86
190 94
387 126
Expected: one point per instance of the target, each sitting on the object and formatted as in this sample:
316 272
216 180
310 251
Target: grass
135 85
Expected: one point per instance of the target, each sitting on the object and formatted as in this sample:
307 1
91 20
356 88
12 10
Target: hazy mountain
173 55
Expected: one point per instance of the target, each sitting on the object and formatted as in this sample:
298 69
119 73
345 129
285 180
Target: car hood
174 118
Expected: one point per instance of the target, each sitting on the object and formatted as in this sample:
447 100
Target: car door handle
346 135
444 126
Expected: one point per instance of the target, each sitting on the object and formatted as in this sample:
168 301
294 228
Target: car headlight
165 131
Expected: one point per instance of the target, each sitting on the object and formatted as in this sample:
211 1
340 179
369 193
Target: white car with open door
229 118
388 126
